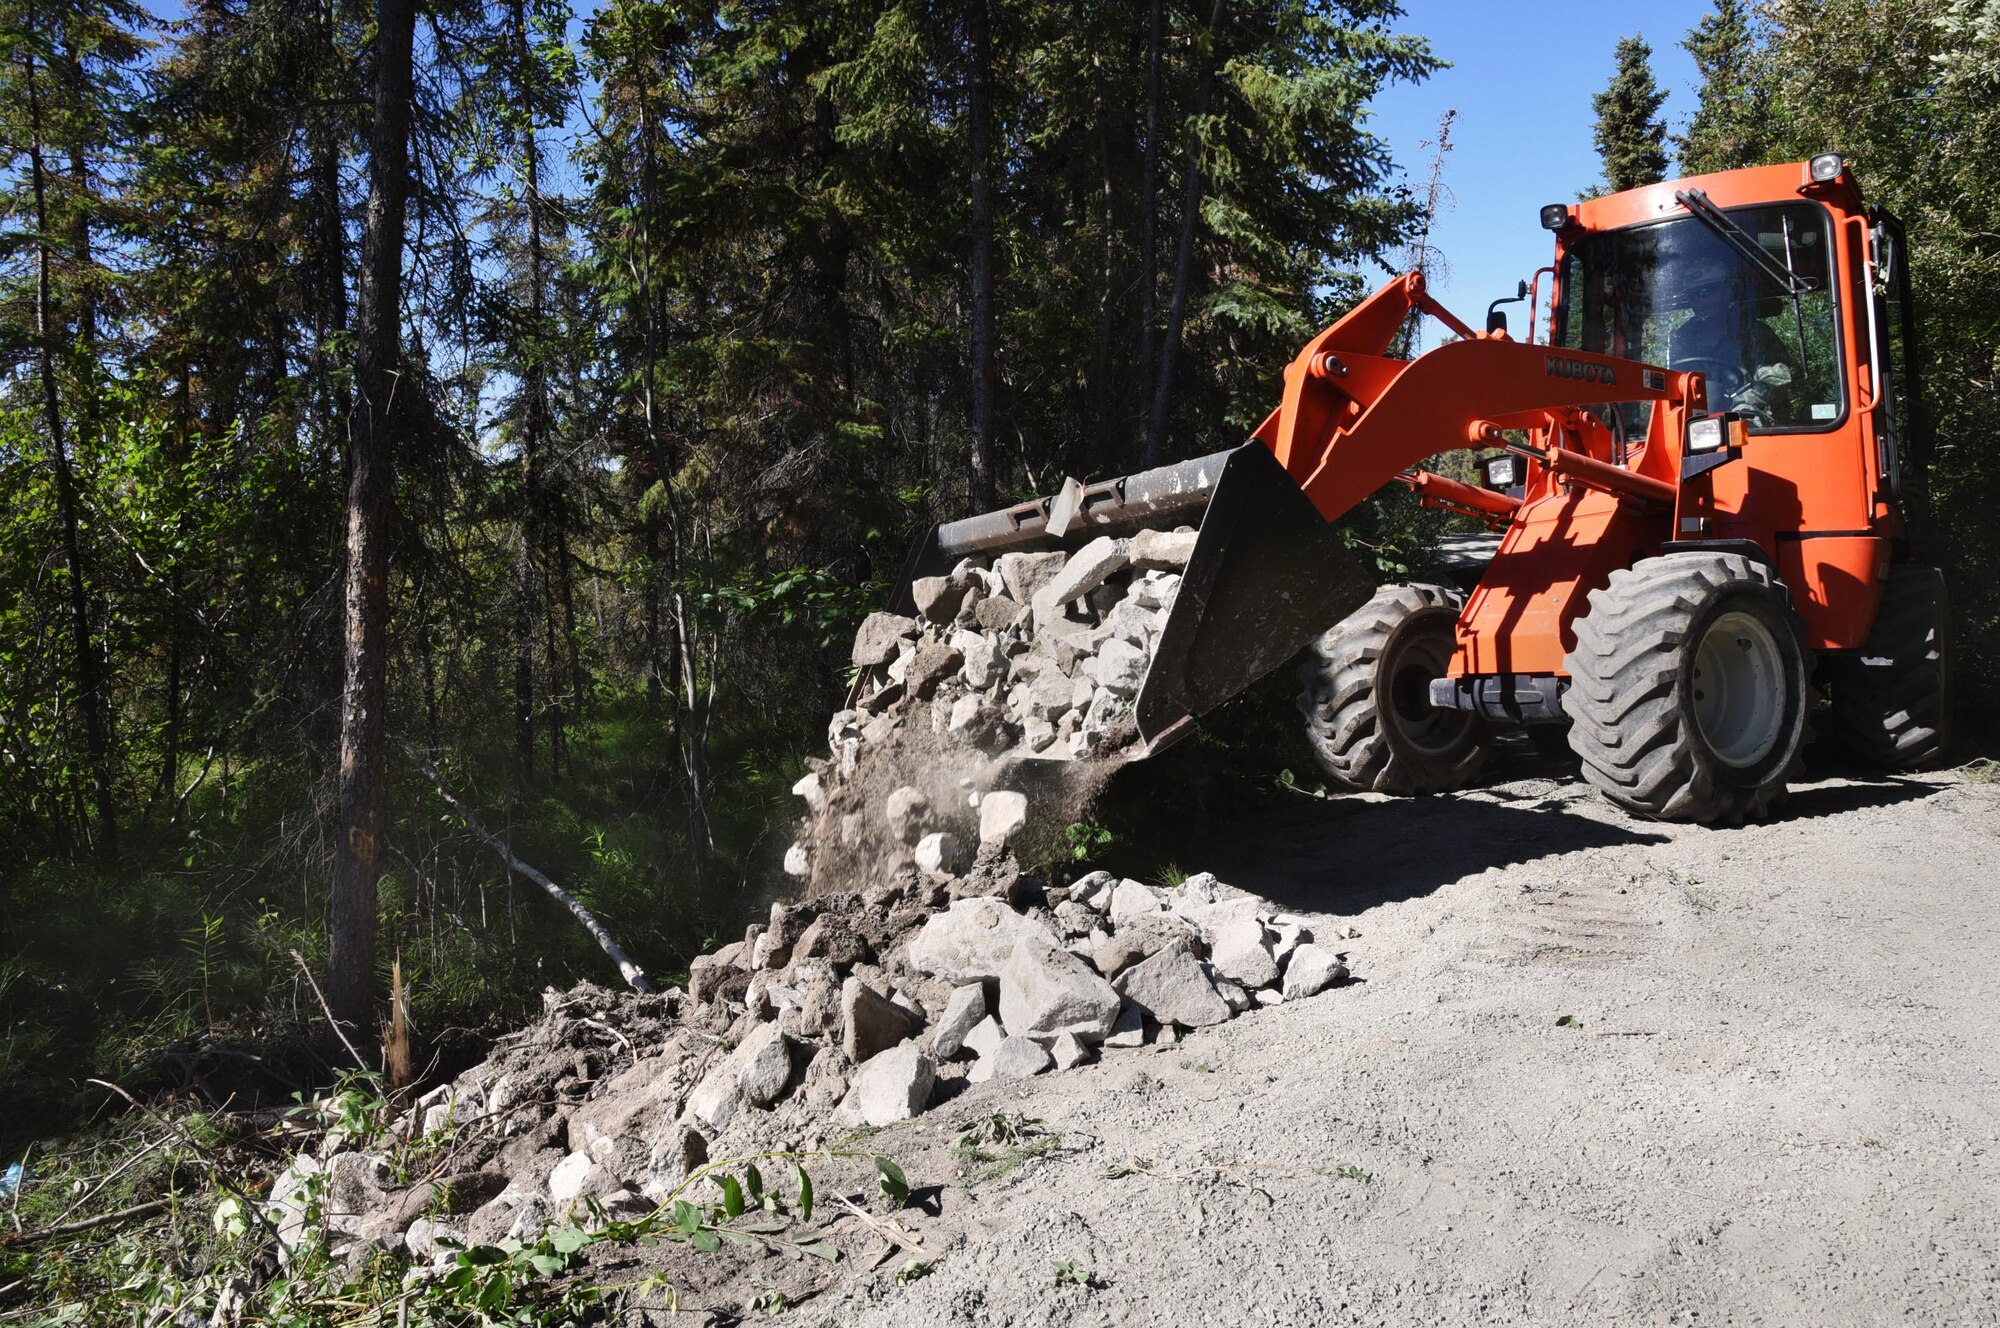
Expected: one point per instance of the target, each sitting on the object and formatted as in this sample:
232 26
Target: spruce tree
1731 126
1631 137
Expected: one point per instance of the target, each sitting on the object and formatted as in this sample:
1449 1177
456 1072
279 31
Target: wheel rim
1739 689
1424 726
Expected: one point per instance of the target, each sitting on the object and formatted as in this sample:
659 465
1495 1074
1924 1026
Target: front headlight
1706 434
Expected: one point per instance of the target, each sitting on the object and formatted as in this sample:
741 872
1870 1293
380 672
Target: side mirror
1496 321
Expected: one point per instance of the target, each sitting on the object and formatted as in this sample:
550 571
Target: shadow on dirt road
1341 855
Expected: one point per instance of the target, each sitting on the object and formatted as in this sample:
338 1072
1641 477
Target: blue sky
1522 76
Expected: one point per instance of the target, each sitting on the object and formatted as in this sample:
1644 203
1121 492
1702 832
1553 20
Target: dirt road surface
1778 1102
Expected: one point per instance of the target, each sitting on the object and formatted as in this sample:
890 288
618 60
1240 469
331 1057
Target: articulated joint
1483 433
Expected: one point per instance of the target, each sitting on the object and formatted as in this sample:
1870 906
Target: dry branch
631 972
86 1224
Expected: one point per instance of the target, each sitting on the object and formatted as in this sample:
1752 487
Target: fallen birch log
630 971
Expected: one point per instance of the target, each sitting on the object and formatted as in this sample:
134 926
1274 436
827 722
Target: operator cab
1753 310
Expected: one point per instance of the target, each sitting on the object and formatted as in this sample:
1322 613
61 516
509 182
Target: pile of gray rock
1025 655
840 1011
1037 650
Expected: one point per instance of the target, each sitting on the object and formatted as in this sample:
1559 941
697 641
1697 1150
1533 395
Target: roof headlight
1826 167
1555 216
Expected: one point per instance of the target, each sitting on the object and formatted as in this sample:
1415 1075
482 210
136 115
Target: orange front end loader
1697 483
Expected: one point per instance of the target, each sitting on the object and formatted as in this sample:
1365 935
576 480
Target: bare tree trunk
1170 343
524 648
1149 218
979 114
694 723
694 726
89 666
532 547
1107 312
378 331
329 308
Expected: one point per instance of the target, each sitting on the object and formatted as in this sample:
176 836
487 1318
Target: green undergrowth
158 1216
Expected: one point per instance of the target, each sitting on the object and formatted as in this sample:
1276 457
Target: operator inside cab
1679 294
1727 338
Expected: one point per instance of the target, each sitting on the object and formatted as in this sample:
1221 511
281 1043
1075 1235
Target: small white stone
1132 899
1130 1030
812 791
1094 890
798 861
1120 667
905 810
1001 816
938 853
985 1036
1069 1052
1020 1058
566 1181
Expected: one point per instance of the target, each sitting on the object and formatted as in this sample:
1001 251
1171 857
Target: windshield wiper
1744 243
1746 246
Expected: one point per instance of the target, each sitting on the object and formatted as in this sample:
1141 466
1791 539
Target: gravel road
1778 1104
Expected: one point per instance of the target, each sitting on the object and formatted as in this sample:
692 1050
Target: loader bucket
1268 573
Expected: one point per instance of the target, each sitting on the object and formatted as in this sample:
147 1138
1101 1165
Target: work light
1555 216
1706 434
1825 167
1502 472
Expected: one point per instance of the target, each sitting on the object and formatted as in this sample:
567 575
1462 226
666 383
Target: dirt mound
845 1012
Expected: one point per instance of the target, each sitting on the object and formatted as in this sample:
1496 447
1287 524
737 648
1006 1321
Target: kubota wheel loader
1697 478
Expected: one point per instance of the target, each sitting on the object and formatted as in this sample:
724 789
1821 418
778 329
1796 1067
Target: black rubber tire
1635 684
1367 696
1892 702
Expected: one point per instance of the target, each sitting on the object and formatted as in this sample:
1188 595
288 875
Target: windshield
1677 293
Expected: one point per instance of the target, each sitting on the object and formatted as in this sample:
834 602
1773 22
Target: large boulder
1002 814
939 854
834 939
1119 667
1139 938
1237 950
1311 970
1172 988
1020 1058
753 1075
1134 899
983 1037
1163 550
938 597
963 1010
880 638
1087 569
870 1022
1026 573
972 940
1046 991
893 1086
